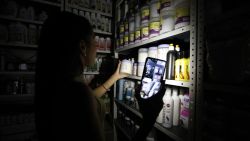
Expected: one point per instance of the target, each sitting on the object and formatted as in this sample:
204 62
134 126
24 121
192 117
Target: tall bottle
181 96
167 109
177 63
171 57
176 107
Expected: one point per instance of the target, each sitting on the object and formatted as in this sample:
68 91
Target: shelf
122 130
47 2
175 33
17 99
20 20
103 51
177 83
19 45
89 10
176 133
167 82
90 73
17 73
135 111
17 128
102 32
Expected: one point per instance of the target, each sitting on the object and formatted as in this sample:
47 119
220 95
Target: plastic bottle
181 96
171 57
177 63
120 95
160 117
176 107
167 109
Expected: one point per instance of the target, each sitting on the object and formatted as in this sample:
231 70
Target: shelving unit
17 99
186 34
89 10
20 20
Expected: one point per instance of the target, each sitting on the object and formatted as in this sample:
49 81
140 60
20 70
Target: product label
145 14
138 35
126 39
165 3
167 114
184 73
121 28
177 69
131 37
145 32
154 27
182 14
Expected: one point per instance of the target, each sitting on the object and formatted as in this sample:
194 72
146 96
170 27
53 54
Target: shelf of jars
180 33
102 32
175 132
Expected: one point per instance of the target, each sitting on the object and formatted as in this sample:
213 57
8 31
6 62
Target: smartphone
152 77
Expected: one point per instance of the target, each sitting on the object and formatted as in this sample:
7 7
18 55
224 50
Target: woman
66 107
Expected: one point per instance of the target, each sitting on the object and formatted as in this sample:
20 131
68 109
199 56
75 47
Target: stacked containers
137 27
132 29
154 23
167 15
142 55
182 13
145 22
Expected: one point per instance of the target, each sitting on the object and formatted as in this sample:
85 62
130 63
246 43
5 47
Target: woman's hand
117 73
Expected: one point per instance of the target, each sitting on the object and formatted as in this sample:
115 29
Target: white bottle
160 117
167 109
181 96
176 107
184 116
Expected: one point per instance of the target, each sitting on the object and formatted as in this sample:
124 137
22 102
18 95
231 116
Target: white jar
154 8
162 51
182 15
132 24
167 18
152 52
135 68
142 54
145 14
140 68
144 31
137 35
154 27
137 20
126 67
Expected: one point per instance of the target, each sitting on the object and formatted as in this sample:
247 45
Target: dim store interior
207 76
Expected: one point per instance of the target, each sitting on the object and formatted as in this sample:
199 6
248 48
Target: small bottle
167 109
171 57
177 63
160 117
176 107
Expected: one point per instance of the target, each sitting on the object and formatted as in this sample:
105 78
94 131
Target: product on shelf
154 27
171 57
162 51
144 31
145 14
182 14
176 106
167 109
184 114
154 8
178 75
152 52
126 67
167 18
167 4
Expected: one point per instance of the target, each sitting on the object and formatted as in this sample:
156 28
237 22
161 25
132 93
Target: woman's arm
102 89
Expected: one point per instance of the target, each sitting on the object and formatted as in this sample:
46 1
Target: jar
122 29
166 4
131 37
154 27
154 8
121 41
134 69
144 31
145 14
162 51
137 35
142 54
182 15
132 24
140 68
152 52
126 39
126 67
137 20
167 19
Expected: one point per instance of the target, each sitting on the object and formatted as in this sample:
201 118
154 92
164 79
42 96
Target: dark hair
59 51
